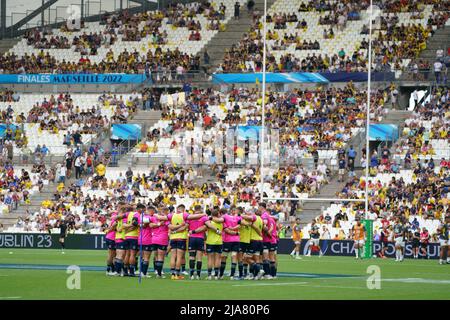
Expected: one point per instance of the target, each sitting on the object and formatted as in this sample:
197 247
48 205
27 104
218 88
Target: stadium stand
165 41
332 37
61 121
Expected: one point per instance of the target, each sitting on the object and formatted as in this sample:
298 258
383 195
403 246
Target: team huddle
250 237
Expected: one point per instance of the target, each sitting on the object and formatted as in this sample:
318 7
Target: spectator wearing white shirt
437 71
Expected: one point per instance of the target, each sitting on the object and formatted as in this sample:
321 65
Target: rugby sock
222 267
119 265
266 267
216 272
63 246
297 253
233 269
159 267
258 267
132 268
293 252
125 269
253 268
245 266
177 271
108 267
183 267
209 271
154 265
199 268
241 269
172 271
272 268
144 267
191 267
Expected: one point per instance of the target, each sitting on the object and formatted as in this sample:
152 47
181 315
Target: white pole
316 199
369 76
263 104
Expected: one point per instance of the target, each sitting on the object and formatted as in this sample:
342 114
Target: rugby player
415 243
443 232
145 237
384 239
231 241
424 240
256 247
359 236
214 242
160 239
274 247
120 242
297 238
244 243
314 238
131 238
399 237
110 231
268 225
196 243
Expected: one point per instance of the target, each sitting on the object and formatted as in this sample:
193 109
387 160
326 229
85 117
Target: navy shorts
122 245
197 244
178 244
256 247
273 247
266 245
243 247
111 244
213 248
231 247
132 244
147 247
161 247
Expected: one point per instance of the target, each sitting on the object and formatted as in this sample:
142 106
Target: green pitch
41 274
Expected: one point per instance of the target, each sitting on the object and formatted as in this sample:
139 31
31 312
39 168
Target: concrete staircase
235 29
35 204
397 117
7 44
311 210
440 40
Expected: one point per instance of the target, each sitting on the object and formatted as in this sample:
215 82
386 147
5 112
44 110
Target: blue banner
126 132
301 77
3 128
248 132
383 132
297 77
358 76
82 78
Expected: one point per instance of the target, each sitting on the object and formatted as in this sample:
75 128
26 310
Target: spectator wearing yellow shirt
101 171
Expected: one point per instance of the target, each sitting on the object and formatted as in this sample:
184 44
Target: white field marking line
2 298
417 280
